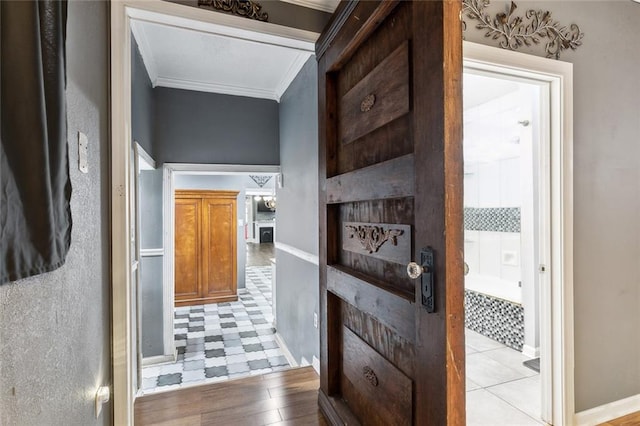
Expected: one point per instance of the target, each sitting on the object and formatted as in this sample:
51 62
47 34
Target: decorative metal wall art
367 103
370 376
246 8
260 180
516 31
373 237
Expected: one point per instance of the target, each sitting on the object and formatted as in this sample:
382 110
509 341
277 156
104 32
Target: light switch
83 146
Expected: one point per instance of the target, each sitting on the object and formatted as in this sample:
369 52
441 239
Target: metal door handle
424 271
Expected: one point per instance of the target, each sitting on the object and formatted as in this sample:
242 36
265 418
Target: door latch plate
428 296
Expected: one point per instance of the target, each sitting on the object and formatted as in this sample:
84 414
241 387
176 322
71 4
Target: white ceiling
480 89
194 60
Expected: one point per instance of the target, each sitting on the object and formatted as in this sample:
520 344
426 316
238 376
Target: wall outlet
315 319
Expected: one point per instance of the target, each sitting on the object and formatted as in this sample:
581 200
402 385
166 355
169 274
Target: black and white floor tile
222 341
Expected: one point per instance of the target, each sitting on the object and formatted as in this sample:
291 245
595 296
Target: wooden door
219 238
187 248
205 247
392 347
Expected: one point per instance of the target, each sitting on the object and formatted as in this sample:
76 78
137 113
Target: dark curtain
35 216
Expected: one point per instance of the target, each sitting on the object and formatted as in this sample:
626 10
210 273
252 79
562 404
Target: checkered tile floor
222 341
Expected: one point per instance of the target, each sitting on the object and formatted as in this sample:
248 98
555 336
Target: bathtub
495 287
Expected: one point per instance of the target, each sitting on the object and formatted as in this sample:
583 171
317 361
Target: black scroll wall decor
35 190
245 8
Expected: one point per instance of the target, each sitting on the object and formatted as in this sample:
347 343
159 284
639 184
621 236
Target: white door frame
122 12
556 208
170 171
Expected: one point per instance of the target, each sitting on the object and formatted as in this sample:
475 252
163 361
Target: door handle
424 271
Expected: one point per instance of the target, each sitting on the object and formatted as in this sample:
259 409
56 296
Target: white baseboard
610 411
530 351
160 359
285 350
315 362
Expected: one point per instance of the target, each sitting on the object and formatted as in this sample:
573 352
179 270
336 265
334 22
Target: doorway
518 257
505 238
218 341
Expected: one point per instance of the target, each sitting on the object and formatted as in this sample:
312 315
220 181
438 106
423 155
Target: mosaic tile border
497 319
499 219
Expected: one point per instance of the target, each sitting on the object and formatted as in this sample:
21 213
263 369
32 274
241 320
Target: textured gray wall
283 13
297 219
199 127
54 334
142 103
151 216
606 194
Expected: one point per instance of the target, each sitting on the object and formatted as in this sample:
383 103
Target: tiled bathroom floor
500 390
221 341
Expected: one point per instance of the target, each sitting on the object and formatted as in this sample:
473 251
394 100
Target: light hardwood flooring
283 398
630 420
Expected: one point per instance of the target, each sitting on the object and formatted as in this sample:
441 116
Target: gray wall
151 267
142 103
606 195
199 127
283 13
297 219
54 334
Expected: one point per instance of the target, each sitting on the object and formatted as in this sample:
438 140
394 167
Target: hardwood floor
284 398
260 254
630 420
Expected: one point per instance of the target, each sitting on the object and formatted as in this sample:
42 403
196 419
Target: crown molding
145 50
291 73
322 5
223 89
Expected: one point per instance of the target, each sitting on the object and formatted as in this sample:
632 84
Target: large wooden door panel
187 248
390 185
220 238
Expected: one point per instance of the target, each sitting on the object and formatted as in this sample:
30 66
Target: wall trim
144 155
315 363
301 254
607 412
155 252
222 169
223 89
168 277
323 5
556 284
285 350
530 351
158 359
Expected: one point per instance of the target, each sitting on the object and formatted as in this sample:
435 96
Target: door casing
165 12
556 210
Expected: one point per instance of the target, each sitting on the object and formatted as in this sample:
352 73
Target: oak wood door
205 247
390 113
219 265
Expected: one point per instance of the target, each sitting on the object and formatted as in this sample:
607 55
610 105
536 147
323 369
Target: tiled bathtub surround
220 341
498 319
500 219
